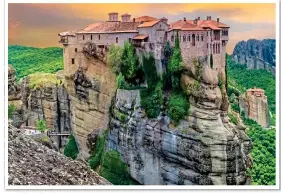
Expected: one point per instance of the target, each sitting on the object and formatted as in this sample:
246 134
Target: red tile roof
201 25
110 27
148 24
140 37
126 14
145 19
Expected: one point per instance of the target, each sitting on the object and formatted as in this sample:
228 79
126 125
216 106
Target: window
193 40
75 49
172 38
207 45
99 37
219 49
202 38
197 38
72 61
130 40
184 38
83 37
207 33
116 39
188 38
214 48
91 37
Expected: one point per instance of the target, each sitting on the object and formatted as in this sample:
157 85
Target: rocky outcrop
204 149
14 97
90 89
257 54
49 103
31 163
254 105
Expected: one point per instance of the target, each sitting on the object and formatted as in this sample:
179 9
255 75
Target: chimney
218 19
198 18
113 17
195 21
126 17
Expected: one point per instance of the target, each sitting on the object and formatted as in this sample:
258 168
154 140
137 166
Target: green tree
71 149
130 62
211 61
114 58
41 125
176 65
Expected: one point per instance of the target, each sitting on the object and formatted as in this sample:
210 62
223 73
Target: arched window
172 38
116 39
219 49
83 37
184 38
197 38
188 38
99 37
91 37
202 38
193 39
214 48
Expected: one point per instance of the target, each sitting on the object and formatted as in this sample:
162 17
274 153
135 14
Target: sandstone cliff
204 149
14 97
31 163
257 54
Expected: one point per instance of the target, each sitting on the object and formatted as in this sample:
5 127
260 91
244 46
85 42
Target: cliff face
257 54
31 163
204 149
14 97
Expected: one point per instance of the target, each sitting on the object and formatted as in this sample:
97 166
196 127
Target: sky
38 25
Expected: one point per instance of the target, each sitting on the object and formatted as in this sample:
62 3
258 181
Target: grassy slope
28 60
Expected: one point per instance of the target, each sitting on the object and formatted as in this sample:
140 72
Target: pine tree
71 149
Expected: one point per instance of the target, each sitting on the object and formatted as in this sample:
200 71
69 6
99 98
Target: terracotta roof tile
145 19
109 27
140 37
201 24
148 24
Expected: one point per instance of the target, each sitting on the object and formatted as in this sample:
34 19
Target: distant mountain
28 60
257 54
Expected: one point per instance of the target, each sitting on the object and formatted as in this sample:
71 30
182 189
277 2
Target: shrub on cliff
178 107
96 157
114 170
114 58
41 125
11 110
151 98
71 149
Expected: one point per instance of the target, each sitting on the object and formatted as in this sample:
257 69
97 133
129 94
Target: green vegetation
178 106
28 60
114 170
71 149
11 110
152 97
95 159
39 80
233 118
109 164
211 61
176 65
119 115
263 153
241 79
114 58
41 125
